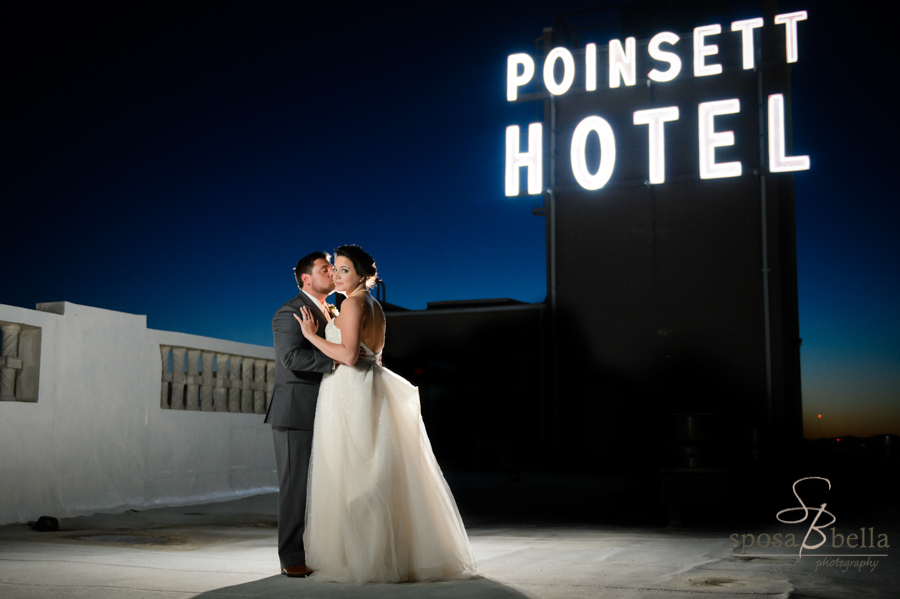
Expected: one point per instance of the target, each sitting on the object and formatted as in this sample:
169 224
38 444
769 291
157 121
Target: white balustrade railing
210 381
20 361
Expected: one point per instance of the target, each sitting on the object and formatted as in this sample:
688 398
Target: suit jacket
299 367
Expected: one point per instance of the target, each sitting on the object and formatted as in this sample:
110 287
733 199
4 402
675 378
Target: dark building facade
677 298
479 369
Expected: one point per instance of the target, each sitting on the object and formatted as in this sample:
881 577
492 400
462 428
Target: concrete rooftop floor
227 549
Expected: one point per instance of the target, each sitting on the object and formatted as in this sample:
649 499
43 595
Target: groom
298 370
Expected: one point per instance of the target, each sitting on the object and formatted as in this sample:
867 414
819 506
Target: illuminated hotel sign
623 71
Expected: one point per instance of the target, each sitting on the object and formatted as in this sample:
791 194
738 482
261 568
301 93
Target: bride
378 506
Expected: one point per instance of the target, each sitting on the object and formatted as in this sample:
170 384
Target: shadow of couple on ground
280 586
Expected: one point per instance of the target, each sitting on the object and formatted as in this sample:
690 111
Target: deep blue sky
176 161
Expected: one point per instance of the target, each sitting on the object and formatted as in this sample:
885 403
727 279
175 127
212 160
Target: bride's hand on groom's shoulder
308 324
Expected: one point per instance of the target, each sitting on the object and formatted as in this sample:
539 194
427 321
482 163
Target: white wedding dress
378 507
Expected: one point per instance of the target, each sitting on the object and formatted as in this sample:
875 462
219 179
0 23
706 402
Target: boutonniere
332 309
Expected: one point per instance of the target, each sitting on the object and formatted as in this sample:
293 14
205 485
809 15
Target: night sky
175 160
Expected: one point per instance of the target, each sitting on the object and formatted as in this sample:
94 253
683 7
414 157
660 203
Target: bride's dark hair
363 263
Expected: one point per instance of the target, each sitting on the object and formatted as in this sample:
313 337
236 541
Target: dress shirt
320 304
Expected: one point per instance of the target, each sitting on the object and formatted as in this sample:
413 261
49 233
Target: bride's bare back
372 325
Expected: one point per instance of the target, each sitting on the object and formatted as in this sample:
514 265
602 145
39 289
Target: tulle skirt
378 507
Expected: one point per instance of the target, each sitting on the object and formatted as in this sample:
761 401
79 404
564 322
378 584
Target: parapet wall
94 426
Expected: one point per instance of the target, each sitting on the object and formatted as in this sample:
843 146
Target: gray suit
299 367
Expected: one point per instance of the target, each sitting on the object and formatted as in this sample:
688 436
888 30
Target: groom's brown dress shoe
300 571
